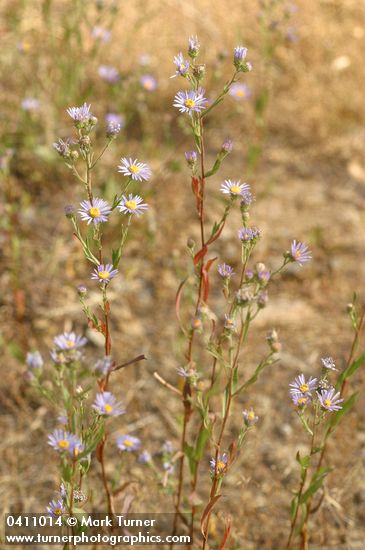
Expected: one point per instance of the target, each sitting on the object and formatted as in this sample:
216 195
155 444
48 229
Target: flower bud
69 210
82 291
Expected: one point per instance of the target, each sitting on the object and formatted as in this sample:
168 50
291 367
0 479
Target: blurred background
298 133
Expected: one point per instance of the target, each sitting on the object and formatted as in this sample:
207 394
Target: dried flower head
328 363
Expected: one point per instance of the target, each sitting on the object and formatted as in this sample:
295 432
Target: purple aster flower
99 33
167 447
132 205
106 405
248 234
30 104
291 34
301 386
225 271
227 146
62 491
249 417
300 400
168 467
95 212
103 366
63 441
234 188
246 199
109 74
144 59
263 276
104 273
114 118
69 341
148 82
183 372
239 91
239 56
229 322
80 114
134 169
56 508
62 419
144 457
191 157
299 252
182 65
190 101
112 130
221 466
330 400
128 443
193 46
328 363
34 360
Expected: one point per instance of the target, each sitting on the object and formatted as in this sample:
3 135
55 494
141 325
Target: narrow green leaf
351 369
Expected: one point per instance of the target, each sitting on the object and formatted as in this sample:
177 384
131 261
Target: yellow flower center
104 274
108 408
302 400
134 169
70 343
251 415
220 466
328 402
58 511
94 212
128 443
189 103
304 388
63 444
235 189
148 84
132 205
240 93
